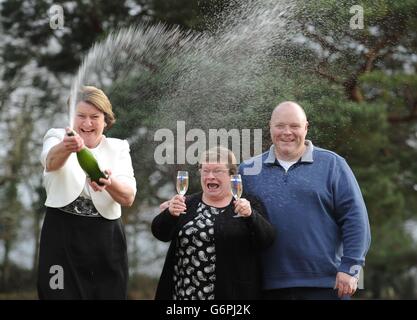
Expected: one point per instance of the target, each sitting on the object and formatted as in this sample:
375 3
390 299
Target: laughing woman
212 255
83 246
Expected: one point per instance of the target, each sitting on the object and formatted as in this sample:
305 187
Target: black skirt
82 257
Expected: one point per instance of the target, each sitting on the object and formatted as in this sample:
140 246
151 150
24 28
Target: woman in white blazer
83 251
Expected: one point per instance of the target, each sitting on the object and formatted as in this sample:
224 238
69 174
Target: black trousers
82 258
303 293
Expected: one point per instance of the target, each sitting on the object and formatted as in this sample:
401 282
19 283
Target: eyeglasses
215 172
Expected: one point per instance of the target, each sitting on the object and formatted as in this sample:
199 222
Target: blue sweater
319 214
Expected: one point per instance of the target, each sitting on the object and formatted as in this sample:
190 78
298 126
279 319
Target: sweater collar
306 157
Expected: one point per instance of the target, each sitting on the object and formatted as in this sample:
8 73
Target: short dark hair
219 154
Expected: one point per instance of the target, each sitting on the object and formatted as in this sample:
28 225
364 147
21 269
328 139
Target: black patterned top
81 207
194 273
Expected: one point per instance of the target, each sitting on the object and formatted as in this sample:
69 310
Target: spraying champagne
89 163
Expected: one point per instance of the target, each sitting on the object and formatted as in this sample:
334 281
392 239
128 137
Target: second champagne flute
182 183
236 187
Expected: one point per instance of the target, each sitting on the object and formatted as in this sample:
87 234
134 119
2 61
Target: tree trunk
6 265
353 90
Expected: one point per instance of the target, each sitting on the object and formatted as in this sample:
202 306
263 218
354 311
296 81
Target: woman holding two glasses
212 255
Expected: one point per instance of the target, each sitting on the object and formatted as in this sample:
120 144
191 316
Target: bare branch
320 70
323 42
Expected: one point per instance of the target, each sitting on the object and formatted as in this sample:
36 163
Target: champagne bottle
89 163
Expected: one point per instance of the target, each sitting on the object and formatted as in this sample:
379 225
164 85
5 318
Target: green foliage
358 88
367 113
178 12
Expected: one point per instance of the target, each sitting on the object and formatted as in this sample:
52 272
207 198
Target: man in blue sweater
314 201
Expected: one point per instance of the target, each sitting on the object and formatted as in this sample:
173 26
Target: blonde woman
83 246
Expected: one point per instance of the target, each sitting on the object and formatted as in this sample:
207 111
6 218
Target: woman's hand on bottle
105 182
72 143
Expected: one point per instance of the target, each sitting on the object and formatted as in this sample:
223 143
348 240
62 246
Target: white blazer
64 185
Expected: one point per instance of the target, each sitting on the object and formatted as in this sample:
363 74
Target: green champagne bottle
89 164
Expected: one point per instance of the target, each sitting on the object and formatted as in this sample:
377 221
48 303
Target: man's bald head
289 106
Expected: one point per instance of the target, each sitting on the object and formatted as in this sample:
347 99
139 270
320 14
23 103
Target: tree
358 88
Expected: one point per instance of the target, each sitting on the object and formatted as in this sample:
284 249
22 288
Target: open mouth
213 186
87 131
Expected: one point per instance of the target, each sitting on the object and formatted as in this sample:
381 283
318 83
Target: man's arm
352 218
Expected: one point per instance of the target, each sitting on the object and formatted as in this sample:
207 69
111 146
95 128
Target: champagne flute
182 183
236 187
